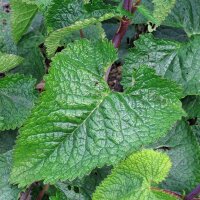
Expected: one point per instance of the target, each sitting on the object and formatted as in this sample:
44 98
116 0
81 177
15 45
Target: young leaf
17 98
132 178
160 11
7 191
189 20
80 124
22 14
184 152
9 61
174 60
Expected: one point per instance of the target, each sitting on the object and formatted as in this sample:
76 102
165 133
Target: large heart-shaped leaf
79 124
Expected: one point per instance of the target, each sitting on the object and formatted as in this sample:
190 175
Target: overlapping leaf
174 60
77 18
17 96
9 61
22 14
185 15
132 178
7 191
184 152
80 124
191 105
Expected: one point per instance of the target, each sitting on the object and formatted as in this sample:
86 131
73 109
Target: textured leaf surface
160 11
17 96
184 152
9 61
22 14
132 178
8 192
80 124
189 21
64 13
77 18
191 105
174 60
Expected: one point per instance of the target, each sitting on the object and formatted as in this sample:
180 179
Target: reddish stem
124 24
193 194
41 194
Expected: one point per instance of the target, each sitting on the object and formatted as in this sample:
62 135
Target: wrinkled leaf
184 152
79 124
132 178
9 61
17 96
178 61
7 191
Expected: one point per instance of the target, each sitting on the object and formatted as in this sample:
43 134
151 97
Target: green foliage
9 61
184 152
99 107
161 9
22 14
68 117
7 191
171 59
17 99
132 178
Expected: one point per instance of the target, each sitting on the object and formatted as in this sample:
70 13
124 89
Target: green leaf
79 124
64 13
22 15
173 60
191 104
132 178
160 11
189 20
7 191
184 152
17 96
196 130
28 48
77 18
9 61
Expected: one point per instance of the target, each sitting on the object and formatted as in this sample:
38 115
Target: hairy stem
124 24
193 194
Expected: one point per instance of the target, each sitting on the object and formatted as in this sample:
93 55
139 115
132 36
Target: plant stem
193 194
124 24
41 194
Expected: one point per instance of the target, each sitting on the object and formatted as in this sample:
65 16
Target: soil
115 77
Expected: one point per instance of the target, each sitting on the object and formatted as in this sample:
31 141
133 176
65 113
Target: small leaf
132 178
178 61
7 191
9 61
79 124
17 96
22 14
